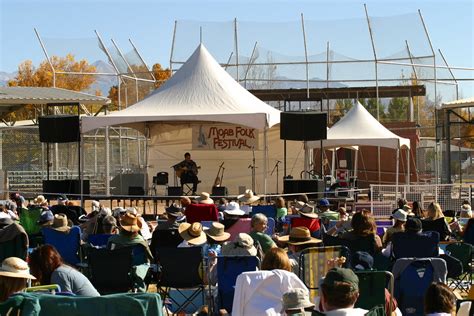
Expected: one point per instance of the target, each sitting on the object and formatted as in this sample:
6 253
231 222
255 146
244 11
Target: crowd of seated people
235 231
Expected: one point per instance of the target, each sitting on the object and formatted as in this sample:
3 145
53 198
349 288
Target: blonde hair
434 211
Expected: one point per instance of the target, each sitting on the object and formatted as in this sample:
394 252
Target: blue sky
150 23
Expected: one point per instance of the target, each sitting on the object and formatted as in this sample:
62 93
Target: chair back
312 224
228 269
412 278
14 245
313 265
164 238
29 220
439 225
201 212
411 245
270 226
372 285
468 236
267 210
181 267
109 269
462 252
66 244
99 240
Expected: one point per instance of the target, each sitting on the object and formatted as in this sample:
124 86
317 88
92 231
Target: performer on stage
187 171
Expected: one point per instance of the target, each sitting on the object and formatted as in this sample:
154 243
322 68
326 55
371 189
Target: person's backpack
411 285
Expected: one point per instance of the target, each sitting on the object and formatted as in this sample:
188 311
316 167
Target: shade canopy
201 90
359 128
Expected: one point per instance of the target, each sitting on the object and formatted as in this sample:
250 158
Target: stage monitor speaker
175 191
59 129
303 126
122 182
65 187
304 186
136 191
219 191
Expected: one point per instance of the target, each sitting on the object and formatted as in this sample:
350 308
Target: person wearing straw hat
129 226
173 212
296 302
216 236
299 239
247 199
205 198
60 224
243 245
192 234
14 274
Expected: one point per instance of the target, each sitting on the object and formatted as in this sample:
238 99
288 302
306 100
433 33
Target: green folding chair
372 285
463 252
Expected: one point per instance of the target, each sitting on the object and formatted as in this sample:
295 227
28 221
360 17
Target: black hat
174 210
413 224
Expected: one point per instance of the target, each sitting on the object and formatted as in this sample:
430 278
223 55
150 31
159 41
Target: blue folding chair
267 210
270 226
99 240
228 269
68 245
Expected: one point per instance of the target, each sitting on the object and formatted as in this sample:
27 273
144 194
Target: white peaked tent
200 91
359 128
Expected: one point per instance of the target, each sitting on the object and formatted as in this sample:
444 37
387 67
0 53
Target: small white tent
201 90
359 128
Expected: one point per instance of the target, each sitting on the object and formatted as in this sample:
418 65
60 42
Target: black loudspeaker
175 191
136 191
122 182
65 187
303 186
219 191
59 129
303 126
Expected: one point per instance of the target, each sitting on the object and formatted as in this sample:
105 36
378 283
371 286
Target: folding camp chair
29 220
15 242
110 269
270 226
99 240
412 278
267 210
164 238
413 245
68 245
201 212
181 269
228 269
462 252
372 285
313 265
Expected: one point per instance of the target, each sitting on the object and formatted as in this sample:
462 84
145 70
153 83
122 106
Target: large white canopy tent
359 128
200 91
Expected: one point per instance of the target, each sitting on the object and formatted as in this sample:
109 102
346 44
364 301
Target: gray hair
258 218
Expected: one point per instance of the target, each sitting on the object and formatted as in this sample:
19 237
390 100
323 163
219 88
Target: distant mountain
5 77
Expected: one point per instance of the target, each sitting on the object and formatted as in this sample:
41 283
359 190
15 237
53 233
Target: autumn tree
30 76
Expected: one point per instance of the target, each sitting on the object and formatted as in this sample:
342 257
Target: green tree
397 109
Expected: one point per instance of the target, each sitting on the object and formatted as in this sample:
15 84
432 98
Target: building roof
462 103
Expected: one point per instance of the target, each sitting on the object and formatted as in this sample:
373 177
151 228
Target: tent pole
356 162
107 162
408 167
333 163
265 157
398 168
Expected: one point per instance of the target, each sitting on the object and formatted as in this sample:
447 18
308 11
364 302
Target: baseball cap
342 275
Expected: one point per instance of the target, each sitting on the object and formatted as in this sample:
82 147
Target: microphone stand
277 176
253 167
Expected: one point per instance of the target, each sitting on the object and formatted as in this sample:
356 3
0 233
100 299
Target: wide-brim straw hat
192 233
216 232
305 209
299 236
233 208
39 200
248 197
205 198
243 245
60 223
14 267
129 222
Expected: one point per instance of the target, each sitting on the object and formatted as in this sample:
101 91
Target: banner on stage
224 137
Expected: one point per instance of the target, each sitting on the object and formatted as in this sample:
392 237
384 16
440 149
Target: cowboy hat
299 236
130 223
174 210
248 197
14 267
233 208
60 223
243 245
192 233
205 198
40 200
304 209
216 232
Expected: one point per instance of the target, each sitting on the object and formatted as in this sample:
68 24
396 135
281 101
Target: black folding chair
164 238
182 269
110 269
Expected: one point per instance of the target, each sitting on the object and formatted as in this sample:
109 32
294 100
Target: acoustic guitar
181 170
